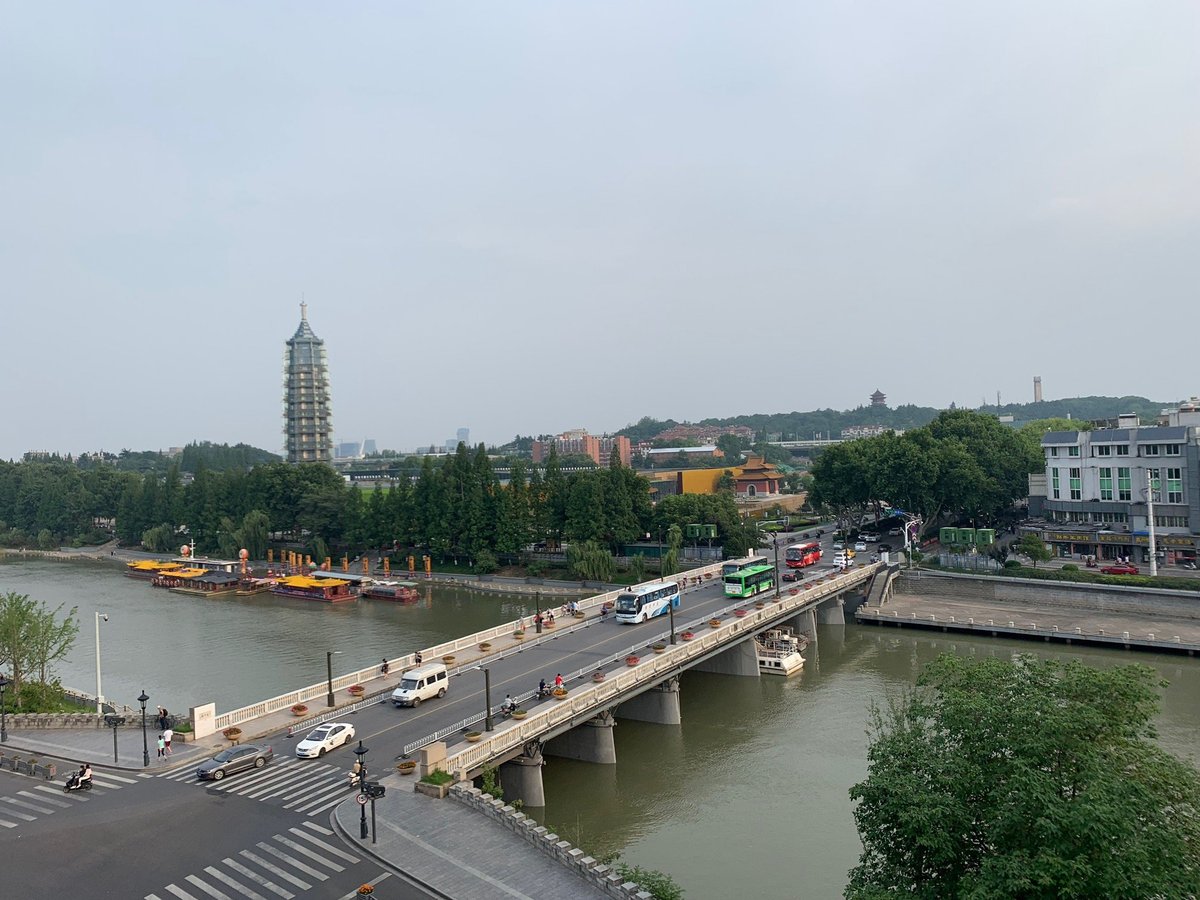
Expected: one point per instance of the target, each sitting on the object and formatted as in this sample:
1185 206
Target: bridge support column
740 659
805 623
830 612
590 742
659 705
521 778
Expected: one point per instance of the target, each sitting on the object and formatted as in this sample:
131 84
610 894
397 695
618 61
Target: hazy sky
526 217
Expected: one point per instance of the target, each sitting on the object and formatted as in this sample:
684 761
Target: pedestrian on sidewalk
164 718
417 657
385 668
162 747
167 735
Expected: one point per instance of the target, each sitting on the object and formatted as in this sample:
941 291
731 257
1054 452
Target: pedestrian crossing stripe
290 859
307 787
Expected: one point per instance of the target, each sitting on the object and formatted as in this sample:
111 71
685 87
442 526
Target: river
747 797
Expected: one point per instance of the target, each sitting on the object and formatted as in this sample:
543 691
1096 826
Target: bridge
713 633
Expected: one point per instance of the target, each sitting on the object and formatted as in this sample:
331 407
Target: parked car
235 759
327 737
792 576
1119 569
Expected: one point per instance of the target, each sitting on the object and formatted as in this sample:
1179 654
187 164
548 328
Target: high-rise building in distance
307 417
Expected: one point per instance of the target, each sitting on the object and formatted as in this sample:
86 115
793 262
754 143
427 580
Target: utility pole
1150 523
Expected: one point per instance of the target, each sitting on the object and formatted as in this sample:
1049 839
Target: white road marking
275 870
180 892
236 885
311 854
295 863
257 879
318 828
42 809
41 799
329 848
208 889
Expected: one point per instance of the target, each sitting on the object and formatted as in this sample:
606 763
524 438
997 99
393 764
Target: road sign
362 799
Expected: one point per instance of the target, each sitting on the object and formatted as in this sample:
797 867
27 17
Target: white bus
647 601
735 565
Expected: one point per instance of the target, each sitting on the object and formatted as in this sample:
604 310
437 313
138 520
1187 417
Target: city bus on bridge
646 601
750 581
734 565
798 556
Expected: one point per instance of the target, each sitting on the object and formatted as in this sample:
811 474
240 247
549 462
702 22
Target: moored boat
149 568
173 578
248 586
779 650
398 591
210 584
327 590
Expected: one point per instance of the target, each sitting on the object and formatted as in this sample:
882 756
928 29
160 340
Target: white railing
609 691
449 648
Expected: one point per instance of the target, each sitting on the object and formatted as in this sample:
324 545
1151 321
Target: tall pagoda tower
307 417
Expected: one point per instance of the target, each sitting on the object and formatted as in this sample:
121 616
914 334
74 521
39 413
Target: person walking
385 668
417 657
164 718
167 735
162 747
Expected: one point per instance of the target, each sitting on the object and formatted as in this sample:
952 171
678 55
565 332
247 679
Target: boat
398 591
210 584
248 586
173 578
779 650
327 590
150 568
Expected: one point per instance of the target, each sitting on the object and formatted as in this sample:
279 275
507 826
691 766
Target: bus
735 565
750 581
800 555
646 601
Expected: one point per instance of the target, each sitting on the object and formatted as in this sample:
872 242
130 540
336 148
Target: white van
842 561
420 684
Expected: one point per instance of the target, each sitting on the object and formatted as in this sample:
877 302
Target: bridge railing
448 648
585 703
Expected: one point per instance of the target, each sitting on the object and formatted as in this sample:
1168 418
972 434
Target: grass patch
437 776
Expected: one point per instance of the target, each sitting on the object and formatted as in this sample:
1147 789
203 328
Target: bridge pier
805 623
590 742
740 659
659 705
521 777
830 612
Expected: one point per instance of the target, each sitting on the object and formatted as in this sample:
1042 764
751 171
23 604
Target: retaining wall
1091 597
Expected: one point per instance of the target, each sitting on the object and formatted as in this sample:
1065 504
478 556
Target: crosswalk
38 798
287 864
305 786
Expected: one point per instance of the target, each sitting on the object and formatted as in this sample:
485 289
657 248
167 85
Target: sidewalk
458 851
95 745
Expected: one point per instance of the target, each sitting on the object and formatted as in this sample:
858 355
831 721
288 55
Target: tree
32 637
1029 778
1035 548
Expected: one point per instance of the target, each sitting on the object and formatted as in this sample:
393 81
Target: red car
1119 569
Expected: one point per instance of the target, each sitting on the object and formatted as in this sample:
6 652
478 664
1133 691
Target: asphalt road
155 838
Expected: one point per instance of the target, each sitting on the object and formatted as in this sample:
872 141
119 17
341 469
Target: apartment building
598 449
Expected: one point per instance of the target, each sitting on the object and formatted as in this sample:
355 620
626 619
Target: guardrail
654 668
1012 628
312 691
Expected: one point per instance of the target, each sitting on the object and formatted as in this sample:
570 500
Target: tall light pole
99 692
1150 523
4 682
361 752
329 654
488 723
142 698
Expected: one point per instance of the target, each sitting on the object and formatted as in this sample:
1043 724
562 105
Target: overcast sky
527 217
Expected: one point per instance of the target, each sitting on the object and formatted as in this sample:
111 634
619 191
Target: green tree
1035 548
256 528
1030 778
32 637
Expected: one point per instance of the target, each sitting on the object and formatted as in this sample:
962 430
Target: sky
525 217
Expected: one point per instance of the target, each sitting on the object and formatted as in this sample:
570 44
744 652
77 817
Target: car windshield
319 735
627 603
223 756
408 684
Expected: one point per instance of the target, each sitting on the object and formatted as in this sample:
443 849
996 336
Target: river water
747 797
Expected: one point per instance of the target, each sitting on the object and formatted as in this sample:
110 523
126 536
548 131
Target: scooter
74 784
542 693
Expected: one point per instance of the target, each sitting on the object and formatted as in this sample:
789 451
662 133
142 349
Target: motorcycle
542 693
74 784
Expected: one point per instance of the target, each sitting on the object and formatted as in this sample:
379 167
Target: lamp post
488 723
361 752
329 676
671 615
99 692
4 682
537 606
777 577
142 698
114 722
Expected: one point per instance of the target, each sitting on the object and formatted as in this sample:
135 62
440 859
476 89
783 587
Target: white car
325 738
860 547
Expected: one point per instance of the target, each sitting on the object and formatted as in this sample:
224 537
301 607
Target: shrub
1012 564
486 562
437 776
1070 567
659 885
536 568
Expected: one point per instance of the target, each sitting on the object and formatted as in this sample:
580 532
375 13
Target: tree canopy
1029 778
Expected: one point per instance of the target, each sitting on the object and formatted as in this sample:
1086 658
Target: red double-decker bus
800 555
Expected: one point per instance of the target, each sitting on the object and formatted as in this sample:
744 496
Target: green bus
749 581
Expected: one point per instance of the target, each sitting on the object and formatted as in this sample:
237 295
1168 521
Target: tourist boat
778 651
149 568
327 590
248 586
210 584
399 591
174 578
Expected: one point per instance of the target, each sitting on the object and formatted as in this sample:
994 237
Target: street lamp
329 676
4 682
361 752
537 616
99 693
142 698
114 722
488 723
